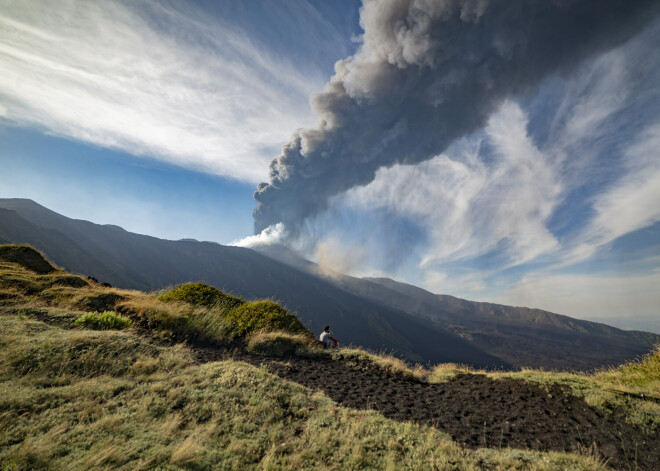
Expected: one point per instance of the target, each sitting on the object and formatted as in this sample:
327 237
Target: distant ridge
128 260
524 337
380 314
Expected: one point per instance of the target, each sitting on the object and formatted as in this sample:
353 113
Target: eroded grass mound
200 294
242 317
180 321
282 343
27 257
263 315
31 348
100 302
107 320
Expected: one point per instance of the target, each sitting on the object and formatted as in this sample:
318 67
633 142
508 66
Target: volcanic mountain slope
521 336
128 398
127 260
379 314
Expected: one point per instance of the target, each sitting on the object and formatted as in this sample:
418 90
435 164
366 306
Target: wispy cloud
470 207
630 204
588 295
152 80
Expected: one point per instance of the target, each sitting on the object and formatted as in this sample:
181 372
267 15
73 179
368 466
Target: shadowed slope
378 314
135 261
27 257
522 336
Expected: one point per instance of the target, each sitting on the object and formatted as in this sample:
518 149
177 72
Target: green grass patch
107 320
32 348
448 371
200 294
642 375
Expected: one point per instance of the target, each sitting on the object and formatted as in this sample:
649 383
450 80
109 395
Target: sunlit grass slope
73 397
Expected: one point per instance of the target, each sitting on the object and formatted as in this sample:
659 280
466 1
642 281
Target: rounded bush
200 294
263 315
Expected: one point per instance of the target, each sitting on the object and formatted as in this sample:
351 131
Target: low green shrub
263 315
200 294
107 320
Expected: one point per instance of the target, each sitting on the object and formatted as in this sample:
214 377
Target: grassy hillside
112 394
136 261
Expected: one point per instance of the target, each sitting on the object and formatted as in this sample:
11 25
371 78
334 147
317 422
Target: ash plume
428 73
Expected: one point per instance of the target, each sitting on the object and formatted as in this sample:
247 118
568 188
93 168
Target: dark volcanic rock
475 410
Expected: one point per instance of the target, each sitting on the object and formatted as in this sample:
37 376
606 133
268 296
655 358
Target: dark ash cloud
428 73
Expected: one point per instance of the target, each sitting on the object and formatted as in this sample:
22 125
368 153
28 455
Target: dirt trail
474 409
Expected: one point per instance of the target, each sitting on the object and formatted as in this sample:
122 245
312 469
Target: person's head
326 328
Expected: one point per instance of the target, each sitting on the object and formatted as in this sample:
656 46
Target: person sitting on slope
327 339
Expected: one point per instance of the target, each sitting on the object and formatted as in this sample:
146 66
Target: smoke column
427 73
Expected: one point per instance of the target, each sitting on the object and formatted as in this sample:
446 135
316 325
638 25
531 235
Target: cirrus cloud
152 79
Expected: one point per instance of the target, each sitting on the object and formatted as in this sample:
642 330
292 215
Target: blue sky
159 117
162 117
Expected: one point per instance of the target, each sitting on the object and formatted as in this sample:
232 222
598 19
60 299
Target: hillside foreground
194 379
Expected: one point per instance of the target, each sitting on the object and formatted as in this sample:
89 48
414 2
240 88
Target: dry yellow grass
386 362
447 371
278 343
80 399
191 449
